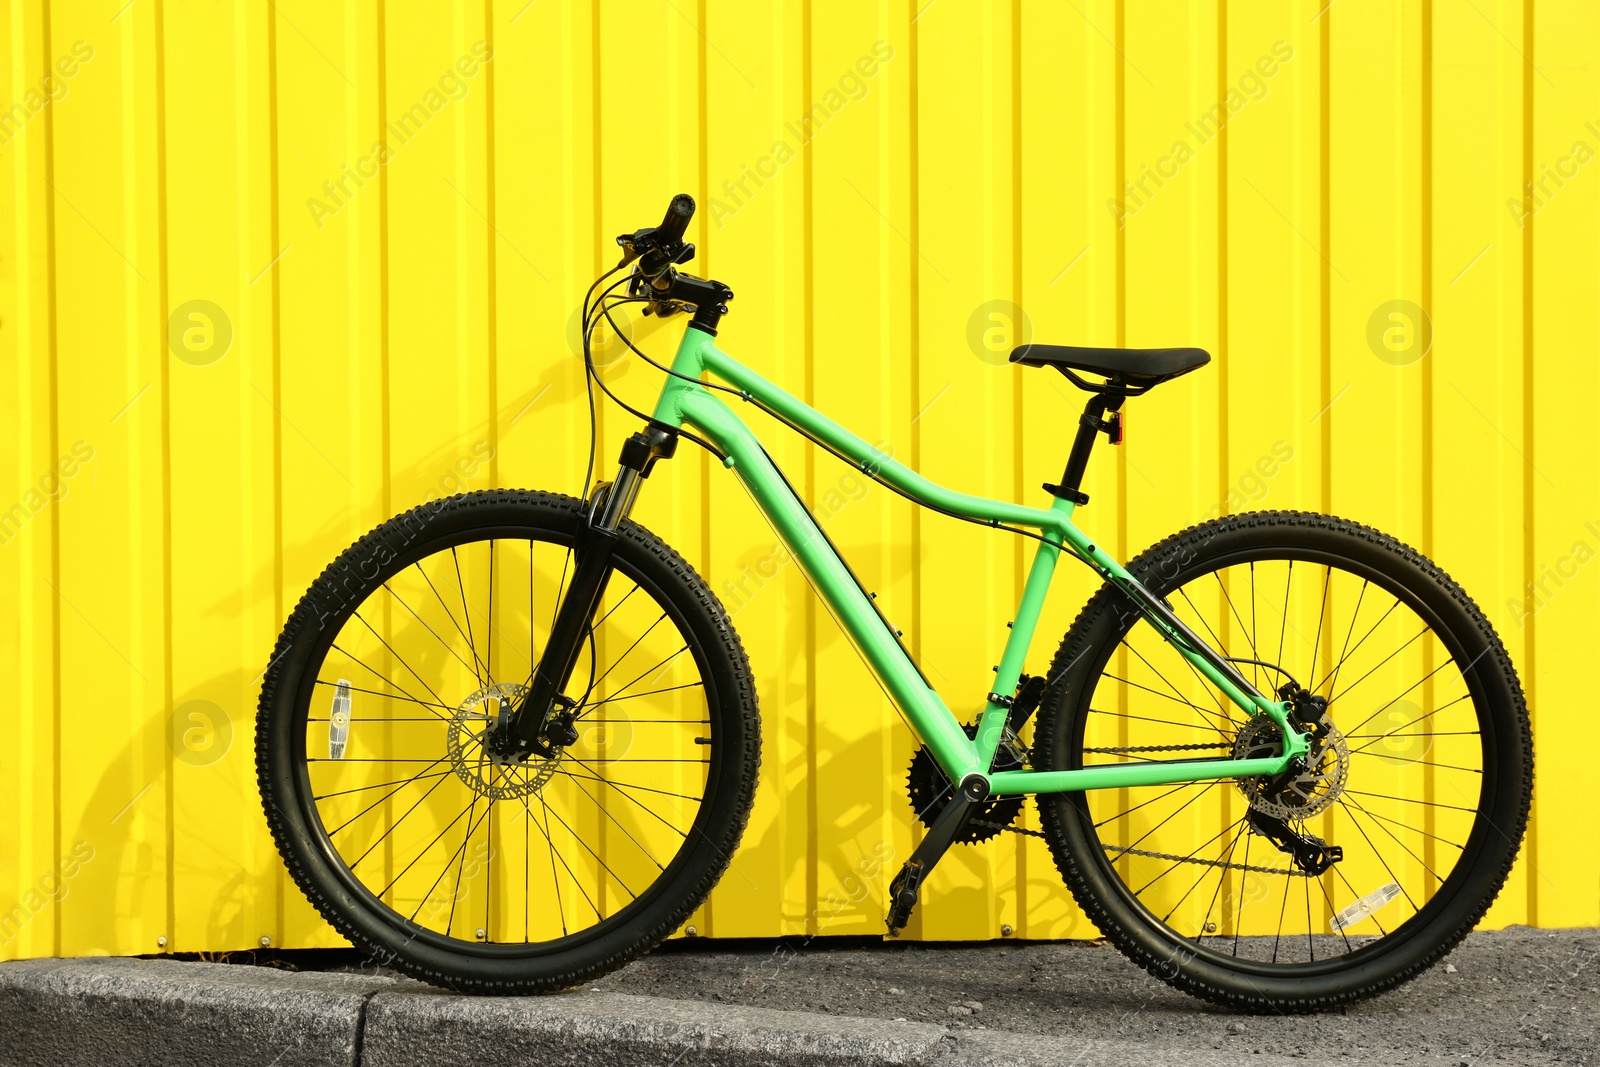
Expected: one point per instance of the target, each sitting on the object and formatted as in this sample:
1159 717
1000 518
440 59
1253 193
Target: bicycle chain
1206 863
1025 832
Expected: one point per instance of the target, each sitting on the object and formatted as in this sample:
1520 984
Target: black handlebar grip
679 212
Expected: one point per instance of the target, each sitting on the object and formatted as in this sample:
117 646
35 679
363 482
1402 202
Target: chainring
930 791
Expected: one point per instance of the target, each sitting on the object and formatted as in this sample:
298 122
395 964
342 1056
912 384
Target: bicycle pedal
903 894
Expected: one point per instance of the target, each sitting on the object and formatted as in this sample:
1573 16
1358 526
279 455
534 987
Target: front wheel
1422 773
477 872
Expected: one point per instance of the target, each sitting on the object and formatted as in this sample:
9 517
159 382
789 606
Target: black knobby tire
1199 962
356 910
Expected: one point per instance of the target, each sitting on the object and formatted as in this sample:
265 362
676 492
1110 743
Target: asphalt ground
1512 996
1518 996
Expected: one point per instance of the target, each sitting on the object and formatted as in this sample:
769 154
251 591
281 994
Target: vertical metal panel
394 210
1558 433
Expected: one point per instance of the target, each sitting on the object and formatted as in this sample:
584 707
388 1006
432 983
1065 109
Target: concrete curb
129 1013
126 1011
428 1028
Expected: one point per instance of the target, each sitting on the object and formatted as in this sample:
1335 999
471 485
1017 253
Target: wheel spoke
1235 612
400 660
1152 800
418 805
379 785
555 854
466 614
389 696
1147 718
445 644
1376 851
1145 839
1284 626
1238 915
1198 710
1351 688
477 673
435 703
649 670
385 797
1333 676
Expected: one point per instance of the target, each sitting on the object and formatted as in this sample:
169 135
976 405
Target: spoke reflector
339 720
1364 908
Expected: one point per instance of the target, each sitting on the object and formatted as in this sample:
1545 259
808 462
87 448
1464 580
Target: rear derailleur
1309 852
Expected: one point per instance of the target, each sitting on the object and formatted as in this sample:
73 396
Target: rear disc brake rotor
1306 794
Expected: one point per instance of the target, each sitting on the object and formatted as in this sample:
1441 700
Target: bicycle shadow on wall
226 610
122 882
207 735
561 382
852 827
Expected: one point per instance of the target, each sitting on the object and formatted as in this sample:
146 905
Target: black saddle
1138 368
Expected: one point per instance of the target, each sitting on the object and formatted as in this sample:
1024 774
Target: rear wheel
1422 777
496 877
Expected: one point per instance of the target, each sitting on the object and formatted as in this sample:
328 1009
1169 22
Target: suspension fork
543 717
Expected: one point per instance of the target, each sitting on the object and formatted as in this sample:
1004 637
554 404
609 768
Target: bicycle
536 789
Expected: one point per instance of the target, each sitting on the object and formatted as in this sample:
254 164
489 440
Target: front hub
475 746
559 730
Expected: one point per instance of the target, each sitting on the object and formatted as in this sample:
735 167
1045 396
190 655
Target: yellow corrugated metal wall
270 272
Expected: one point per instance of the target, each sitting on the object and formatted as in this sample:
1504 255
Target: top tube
697 353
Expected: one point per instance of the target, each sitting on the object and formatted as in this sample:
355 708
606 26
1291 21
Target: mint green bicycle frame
685 400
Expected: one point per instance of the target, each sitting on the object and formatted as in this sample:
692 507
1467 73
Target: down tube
932 720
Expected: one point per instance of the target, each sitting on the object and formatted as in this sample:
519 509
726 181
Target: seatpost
1090 423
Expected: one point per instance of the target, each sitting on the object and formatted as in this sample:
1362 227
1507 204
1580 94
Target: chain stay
1025 832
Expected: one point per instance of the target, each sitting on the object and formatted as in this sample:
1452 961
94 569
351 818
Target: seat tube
992 724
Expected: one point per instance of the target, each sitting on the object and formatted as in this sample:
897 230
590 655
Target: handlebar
676 221
658 249
661 246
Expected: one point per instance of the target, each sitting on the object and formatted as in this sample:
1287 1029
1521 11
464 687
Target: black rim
393 922
1363 827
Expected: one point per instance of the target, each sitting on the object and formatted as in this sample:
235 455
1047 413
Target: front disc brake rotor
467 734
